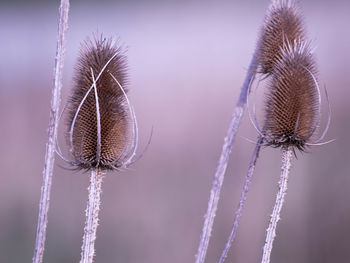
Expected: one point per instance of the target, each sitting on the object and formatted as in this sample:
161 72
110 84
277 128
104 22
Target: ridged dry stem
224 157
242 199
52 134
91 220
287 153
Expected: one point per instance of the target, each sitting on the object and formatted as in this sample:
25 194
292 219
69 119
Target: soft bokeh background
187 61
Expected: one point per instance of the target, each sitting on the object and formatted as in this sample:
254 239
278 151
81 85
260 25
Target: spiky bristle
282 22
292 108
99 130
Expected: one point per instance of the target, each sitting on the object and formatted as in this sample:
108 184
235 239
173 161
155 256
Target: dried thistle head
100 118
282 22
293 102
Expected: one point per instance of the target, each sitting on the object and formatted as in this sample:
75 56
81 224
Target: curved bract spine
100 117
292 109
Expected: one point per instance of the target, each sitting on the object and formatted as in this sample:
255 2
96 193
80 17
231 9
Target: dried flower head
293 102
101 122
282 22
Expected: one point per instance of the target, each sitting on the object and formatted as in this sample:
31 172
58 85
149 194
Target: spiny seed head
99 132
293 102
282 23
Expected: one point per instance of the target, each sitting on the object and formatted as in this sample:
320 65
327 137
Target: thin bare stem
221 168
52 134
242 199
91 221
287 154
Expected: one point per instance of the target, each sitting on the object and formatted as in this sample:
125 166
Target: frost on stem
52 134
91 220
221 167
242 199
287 154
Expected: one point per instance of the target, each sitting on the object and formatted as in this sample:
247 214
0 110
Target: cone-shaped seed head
293 102
282 22
106 146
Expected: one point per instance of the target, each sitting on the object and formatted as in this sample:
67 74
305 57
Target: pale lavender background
187 62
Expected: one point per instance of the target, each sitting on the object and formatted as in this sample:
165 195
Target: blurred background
187 62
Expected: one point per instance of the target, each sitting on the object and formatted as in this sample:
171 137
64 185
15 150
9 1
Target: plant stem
52 134
221 168
242 199
91 220
287 153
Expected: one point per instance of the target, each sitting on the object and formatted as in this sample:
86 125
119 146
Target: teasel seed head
282 22
101 122
293 102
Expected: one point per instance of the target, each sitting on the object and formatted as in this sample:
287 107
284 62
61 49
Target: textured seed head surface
114 113
292 106
282 22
